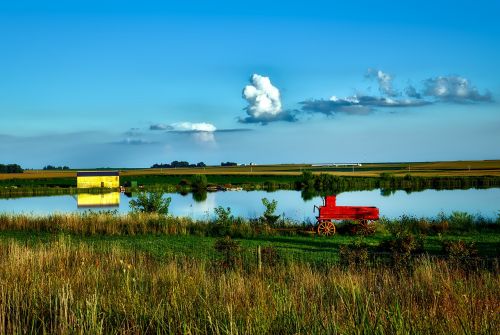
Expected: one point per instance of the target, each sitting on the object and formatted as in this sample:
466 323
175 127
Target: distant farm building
98 179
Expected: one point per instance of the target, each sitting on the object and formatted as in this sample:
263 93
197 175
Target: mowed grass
426 169
311 249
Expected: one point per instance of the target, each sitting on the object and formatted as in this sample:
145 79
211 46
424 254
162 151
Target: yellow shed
97 179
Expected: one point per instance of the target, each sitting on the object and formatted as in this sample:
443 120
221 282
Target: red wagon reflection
330 212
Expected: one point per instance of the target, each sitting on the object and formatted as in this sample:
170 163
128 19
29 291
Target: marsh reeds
66 287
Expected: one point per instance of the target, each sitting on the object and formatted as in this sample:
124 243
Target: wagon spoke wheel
363 223
326 228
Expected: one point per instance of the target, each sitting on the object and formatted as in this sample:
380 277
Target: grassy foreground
146 273
66 287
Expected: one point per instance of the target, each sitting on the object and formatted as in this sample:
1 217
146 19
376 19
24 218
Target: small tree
151 202
268 215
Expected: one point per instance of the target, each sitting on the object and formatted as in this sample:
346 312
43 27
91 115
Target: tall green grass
70 288
113 223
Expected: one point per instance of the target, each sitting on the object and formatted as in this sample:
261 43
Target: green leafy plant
150 202
268 215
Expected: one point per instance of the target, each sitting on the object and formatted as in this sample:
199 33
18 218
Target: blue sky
129 84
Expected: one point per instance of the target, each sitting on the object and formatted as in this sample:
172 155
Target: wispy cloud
134 141
454 89
233 130
133 132
356 105
160 126
384 82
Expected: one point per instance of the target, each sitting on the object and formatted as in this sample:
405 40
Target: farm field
425 169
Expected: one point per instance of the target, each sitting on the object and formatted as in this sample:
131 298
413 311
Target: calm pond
428 203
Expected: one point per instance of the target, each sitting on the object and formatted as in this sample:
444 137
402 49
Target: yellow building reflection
111 199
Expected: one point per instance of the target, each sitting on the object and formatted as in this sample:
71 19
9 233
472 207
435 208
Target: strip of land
424 169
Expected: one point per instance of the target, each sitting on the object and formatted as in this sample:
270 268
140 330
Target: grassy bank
69 287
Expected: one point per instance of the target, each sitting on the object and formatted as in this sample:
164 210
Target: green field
427 169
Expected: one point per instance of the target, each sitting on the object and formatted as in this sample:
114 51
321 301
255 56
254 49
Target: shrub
403 248
229 250
354 254
223 221
199 182
151 202
460 253
439 227
461 221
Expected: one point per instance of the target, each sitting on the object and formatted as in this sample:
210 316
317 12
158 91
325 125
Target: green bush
151 202
221 226
461 221
354 254
403 249
199 182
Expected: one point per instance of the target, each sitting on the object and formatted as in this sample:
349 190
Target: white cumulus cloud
264 102
262 96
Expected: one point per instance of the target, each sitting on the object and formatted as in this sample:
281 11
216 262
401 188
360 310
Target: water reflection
87 200
290 203
200 195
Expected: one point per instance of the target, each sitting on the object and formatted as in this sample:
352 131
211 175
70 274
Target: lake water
429 203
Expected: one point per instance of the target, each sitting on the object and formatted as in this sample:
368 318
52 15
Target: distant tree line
228 164
10 168
50 167
177 164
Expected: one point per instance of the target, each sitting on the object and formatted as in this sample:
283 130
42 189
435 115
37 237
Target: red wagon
330 212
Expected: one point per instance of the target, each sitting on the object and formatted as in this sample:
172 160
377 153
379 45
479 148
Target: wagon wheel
367 227
363 223
326 228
